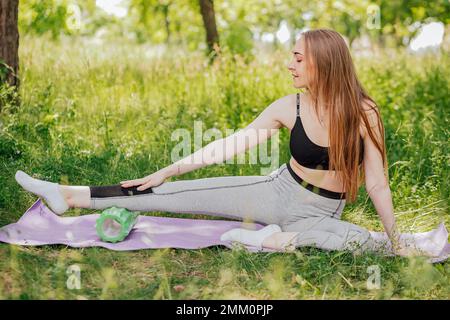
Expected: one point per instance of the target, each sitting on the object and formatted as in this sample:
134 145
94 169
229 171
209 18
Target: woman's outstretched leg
253 198
60 197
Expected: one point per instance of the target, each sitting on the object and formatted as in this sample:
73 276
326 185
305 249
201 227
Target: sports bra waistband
320 191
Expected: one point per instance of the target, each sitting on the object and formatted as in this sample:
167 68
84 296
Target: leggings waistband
320 191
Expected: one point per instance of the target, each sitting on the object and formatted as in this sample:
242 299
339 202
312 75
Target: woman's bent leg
330 234
249 198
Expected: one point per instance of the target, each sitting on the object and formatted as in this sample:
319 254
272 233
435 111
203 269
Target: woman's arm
218 151
376 181
382 199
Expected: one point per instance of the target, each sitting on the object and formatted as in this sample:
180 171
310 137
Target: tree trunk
209 20
9 42
165 10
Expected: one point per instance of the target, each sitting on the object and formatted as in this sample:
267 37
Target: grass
93 115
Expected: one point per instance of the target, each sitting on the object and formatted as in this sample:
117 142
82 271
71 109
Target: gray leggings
277 198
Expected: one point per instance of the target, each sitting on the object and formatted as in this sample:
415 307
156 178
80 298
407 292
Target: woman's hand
152 180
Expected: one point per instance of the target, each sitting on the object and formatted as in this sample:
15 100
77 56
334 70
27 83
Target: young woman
336 142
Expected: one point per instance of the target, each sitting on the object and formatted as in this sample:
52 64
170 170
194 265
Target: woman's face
297 65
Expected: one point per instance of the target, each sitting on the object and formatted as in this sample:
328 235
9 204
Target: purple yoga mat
40 226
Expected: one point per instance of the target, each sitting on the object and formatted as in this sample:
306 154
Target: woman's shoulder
284 108
369 105
372 113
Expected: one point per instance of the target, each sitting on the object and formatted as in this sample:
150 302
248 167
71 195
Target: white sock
49 191
250 237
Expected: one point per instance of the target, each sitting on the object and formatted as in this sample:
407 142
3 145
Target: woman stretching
336 142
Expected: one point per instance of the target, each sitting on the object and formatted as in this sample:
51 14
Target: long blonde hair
333 82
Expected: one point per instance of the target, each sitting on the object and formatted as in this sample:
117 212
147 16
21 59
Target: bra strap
298 104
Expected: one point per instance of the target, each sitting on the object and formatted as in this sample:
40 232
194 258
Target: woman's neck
323 114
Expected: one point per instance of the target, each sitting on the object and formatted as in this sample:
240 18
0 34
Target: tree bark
9 42
165 11
209 21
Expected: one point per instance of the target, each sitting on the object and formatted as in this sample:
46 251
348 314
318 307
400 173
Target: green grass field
98 114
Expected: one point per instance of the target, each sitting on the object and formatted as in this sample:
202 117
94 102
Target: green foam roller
114 224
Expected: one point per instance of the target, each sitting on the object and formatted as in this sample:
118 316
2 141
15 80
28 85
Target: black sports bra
307 153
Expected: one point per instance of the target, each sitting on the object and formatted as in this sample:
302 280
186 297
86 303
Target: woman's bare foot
77 196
